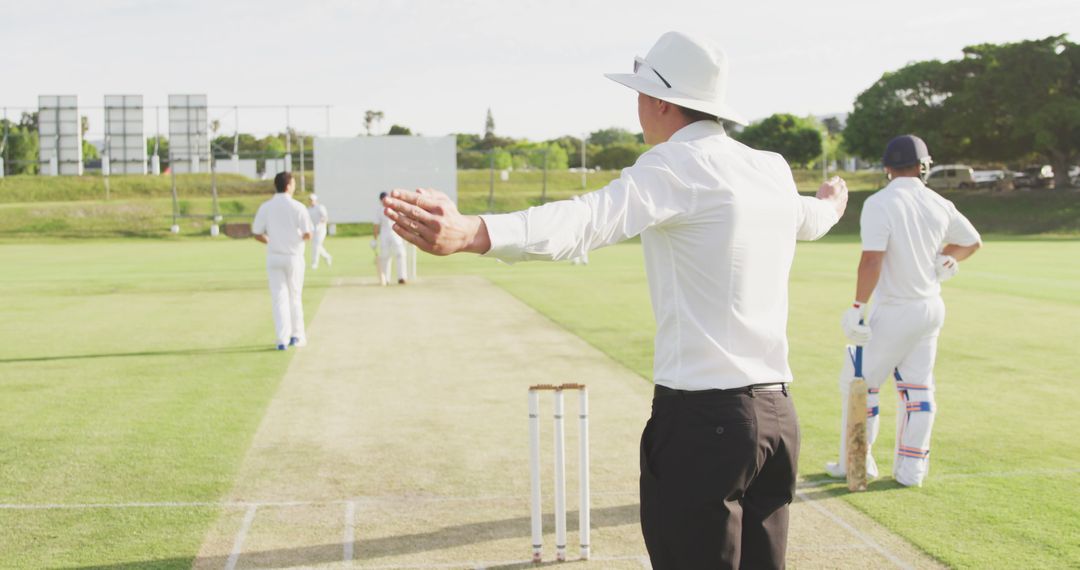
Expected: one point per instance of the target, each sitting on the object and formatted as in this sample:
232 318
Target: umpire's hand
430 220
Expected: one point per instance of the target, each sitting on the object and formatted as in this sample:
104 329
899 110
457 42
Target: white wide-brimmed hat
686 71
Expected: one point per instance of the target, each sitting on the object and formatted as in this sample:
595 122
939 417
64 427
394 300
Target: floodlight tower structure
188 141
59 135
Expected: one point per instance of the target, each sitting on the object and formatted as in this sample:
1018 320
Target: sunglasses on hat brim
639 63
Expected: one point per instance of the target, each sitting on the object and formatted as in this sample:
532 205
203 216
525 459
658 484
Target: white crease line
284 503
498 563
241 535
349 540
862 536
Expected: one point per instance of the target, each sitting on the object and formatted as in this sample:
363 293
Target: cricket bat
856 428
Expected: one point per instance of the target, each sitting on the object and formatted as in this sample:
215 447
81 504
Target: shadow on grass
406 544
183 352
827 488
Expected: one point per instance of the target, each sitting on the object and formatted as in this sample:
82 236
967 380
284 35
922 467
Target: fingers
409 210
411 225
414 238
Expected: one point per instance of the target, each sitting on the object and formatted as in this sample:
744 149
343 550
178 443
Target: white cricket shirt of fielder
718 223
319 215
911 224
284 221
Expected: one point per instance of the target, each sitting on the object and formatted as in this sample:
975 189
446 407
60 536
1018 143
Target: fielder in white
391 246
283 224
319 218
912 240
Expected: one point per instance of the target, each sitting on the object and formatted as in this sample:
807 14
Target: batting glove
852 323
946 267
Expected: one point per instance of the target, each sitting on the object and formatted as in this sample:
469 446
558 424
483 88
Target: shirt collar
698 130
906 182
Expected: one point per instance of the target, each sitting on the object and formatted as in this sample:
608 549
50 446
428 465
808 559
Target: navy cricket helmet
905 150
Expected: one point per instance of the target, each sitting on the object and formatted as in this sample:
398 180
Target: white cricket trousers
286 274
318 238
389 254
904 348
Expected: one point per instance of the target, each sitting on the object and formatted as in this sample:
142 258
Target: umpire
718 223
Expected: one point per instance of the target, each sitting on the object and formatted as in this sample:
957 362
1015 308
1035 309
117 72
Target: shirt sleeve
258 227
874 227
816 217
960 230
645 195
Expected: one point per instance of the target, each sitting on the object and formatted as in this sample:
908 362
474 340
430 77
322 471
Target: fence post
491 185
543 192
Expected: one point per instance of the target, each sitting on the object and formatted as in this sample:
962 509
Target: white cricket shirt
284 222
388 238
911 224
319 215
718 223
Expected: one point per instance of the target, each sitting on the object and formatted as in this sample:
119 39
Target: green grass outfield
138 371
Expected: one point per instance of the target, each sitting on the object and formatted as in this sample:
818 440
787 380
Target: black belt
663 391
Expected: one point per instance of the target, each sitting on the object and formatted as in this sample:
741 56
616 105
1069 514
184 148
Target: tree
617 156
399 130
89 151
1020 99
613 135
29 121
910 100
372 118
832 125
489 125
1009 102
547 155
21 151
798 140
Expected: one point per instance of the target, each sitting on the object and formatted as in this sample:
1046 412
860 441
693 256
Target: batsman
913 239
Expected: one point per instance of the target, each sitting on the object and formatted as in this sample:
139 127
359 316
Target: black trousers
718 472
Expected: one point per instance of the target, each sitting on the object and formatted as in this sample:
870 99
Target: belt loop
750 390
783 388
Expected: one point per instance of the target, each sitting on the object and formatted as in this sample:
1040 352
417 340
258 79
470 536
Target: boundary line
241 535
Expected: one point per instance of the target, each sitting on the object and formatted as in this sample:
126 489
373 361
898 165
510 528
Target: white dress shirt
718 223
911 224
284 222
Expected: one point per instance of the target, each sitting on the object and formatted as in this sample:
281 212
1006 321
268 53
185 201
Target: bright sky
436 66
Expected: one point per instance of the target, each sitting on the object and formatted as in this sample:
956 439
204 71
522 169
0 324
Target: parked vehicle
1035 177
993 179
950 176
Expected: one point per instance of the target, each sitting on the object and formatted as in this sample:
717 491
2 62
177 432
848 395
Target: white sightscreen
189 143
125 142
351 172
59 135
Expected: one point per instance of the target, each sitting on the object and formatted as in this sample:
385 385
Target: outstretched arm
819 214
646 195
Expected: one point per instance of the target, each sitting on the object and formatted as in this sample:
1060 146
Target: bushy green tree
797 139
399 130
618 156
21 151
613 135
999 103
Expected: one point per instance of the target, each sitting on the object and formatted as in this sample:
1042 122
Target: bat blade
856 436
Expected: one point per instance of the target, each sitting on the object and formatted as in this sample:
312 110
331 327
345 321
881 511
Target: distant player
284 224
912 240
391 246
319 218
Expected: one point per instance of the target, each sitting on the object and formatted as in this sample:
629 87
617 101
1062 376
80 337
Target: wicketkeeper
912 240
